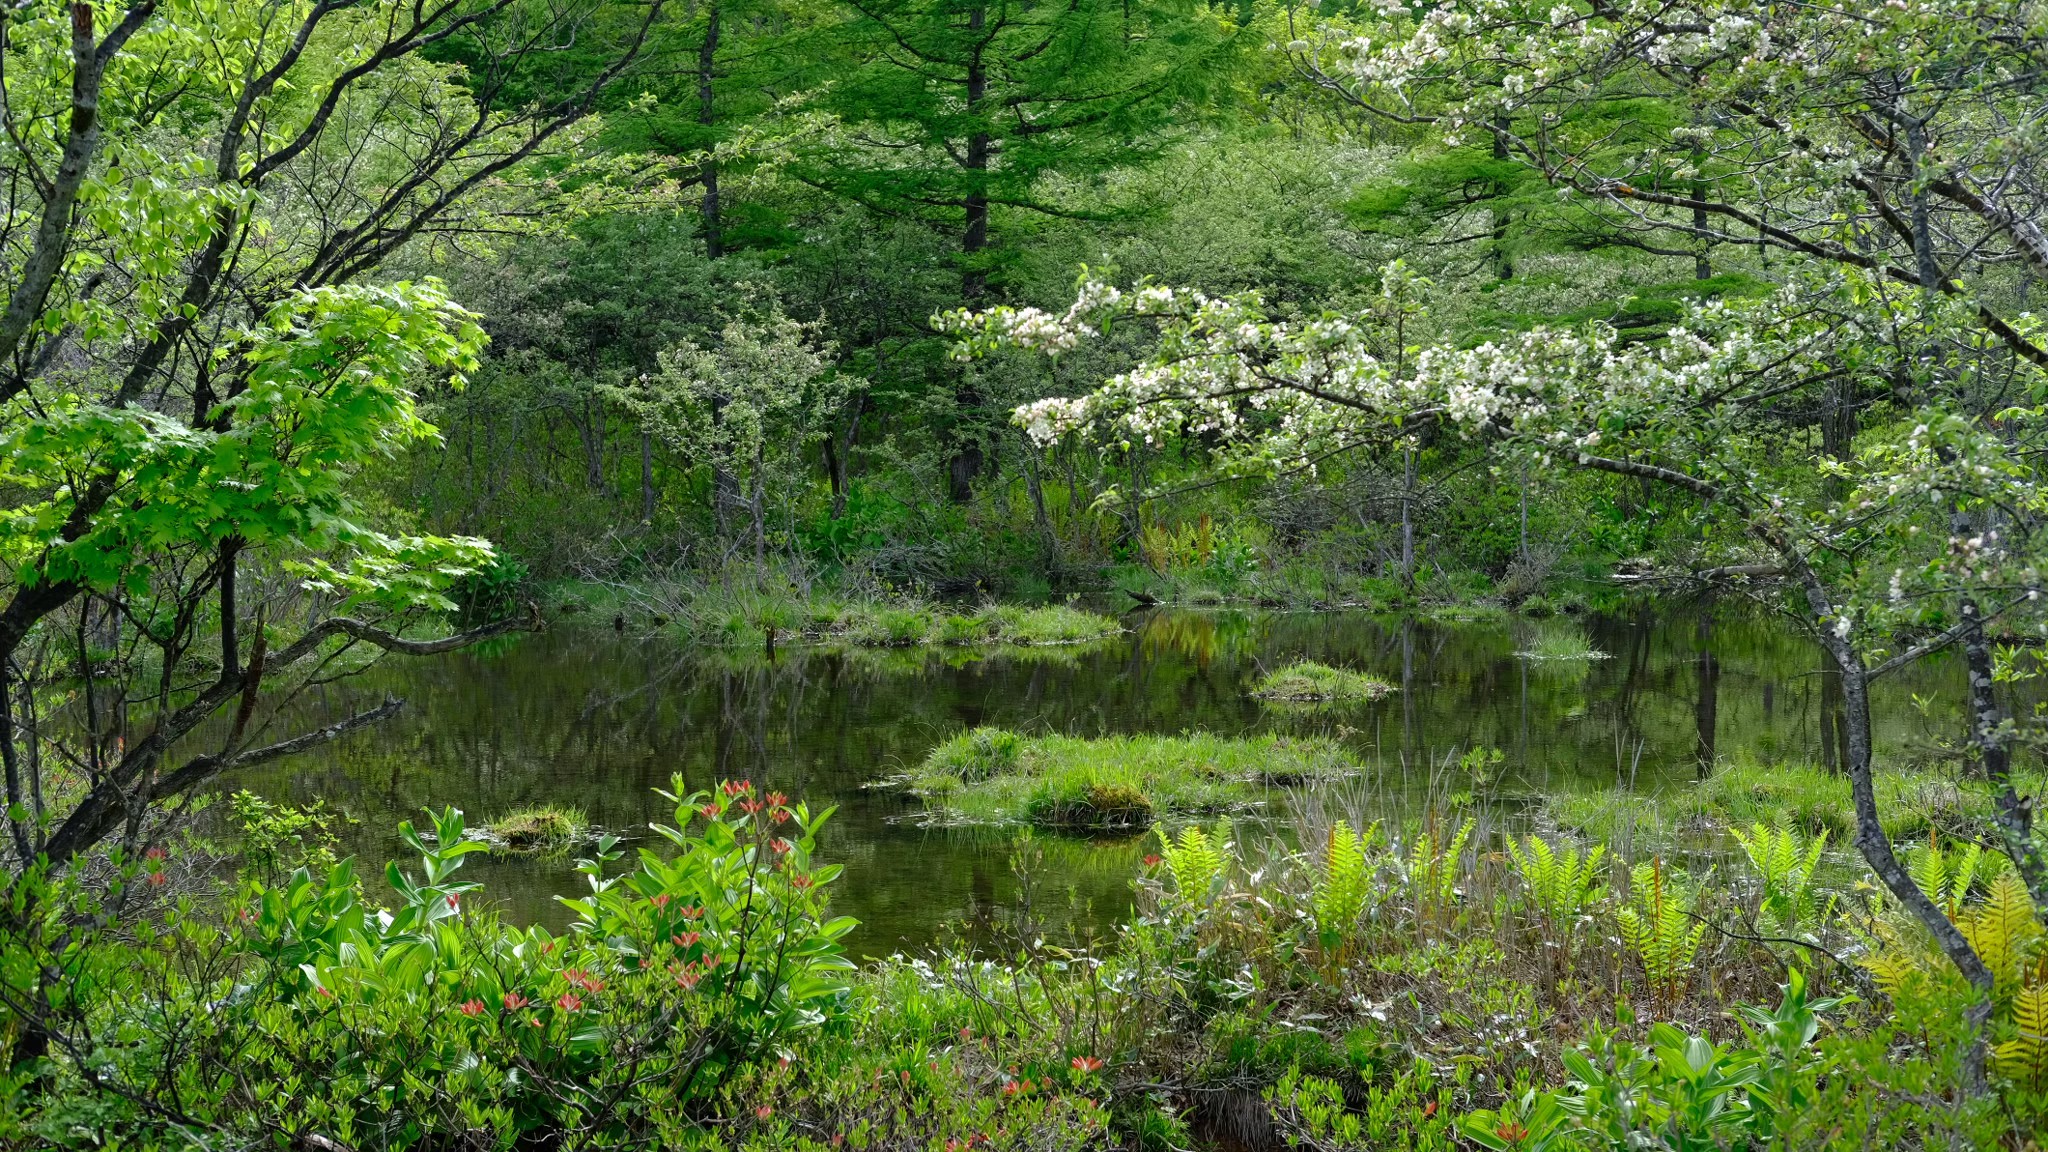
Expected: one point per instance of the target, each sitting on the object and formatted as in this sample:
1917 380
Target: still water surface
598 720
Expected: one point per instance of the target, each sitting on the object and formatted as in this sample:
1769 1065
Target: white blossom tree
1888 159
1930 529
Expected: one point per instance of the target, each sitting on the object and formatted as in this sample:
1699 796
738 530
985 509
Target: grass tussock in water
1560 640
992 776
539 828
1307 682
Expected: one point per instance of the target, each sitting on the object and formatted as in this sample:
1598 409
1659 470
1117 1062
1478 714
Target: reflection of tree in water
598 721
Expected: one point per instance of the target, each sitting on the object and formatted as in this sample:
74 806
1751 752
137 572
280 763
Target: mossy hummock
1307 682
541 828
993 776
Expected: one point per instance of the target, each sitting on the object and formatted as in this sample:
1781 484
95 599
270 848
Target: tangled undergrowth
1427 986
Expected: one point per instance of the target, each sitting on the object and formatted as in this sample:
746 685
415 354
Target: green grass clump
1911 805
990 776
539 828
1559 641
1307 682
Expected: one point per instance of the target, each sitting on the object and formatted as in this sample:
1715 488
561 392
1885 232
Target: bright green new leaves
1564 882
331 378
1658 925
1786 859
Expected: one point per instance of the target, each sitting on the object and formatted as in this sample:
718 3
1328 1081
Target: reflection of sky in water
597 720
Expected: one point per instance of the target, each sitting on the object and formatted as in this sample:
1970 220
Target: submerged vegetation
1307 682
989 775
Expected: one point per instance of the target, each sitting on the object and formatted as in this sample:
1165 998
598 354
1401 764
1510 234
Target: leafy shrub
489 593
310 1018
276 839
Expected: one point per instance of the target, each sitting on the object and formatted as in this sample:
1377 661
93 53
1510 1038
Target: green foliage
1434 862
540 828
1409 1113
426 1019
1563 883
1114 781
1345 884
1558 640
1658 925
1307 682
1786 860
1679 1090
489 593
1196 860
275 840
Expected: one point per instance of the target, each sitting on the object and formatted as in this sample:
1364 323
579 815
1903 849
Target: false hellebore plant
1927 529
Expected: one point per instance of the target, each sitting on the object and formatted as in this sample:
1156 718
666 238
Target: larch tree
962 110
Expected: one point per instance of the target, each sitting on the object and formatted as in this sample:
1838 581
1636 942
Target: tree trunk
838 456
646 478
968 457
707 56
1707 704
1037 489
1870 838
1989 732
1408 520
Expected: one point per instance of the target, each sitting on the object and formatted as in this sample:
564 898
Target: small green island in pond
738 620
994 776
537 828
1307 682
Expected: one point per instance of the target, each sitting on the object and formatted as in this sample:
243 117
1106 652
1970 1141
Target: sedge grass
992 776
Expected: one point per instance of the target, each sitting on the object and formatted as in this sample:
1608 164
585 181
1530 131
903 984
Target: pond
598 719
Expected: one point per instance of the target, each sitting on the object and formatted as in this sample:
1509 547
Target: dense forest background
861 169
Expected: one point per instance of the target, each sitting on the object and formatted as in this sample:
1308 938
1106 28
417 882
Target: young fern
1946 875
1196 862
1658 925
1432 864
2024 1058
1787 861
2003 930
1343 886
1562 882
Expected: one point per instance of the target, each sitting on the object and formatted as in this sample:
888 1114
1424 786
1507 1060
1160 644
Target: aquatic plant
539 828
1558 640
990 777
1307 682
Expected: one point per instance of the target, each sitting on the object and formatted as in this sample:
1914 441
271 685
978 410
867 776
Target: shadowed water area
597 720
